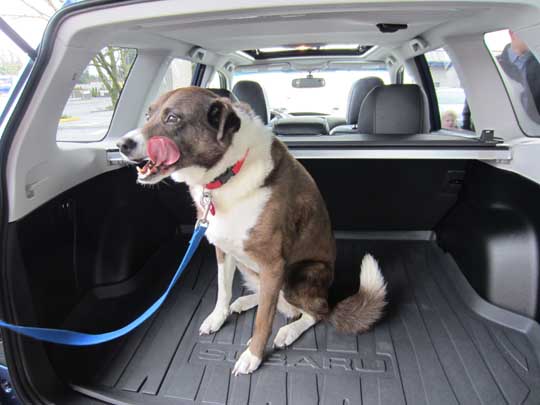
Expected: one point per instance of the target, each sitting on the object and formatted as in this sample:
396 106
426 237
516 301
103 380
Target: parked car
5 83
452 216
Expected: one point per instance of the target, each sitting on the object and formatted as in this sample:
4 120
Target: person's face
518 45
449 122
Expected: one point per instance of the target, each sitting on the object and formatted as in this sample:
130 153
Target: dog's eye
147 116
172 119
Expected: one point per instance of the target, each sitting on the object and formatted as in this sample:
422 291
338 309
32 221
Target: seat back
252 93
359 90
397 109
224 93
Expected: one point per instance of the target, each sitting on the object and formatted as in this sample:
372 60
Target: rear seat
252 93
223 93
397 109
300 126
321 125
359 90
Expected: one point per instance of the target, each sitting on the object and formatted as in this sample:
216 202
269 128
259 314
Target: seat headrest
396 109
253 94
357 94
224 93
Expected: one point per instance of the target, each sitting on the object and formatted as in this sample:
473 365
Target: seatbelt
72 338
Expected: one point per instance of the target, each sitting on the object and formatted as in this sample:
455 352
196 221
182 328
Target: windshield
450 96
331 99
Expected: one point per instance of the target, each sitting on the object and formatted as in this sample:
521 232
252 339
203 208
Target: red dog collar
227 175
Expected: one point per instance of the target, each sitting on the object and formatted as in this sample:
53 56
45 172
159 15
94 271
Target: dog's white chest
229 228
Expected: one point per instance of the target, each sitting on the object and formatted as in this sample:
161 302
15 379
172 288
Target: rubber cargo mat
430 348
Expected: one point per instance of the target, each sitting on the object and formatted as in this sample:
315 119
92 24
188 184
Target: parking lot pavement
86 120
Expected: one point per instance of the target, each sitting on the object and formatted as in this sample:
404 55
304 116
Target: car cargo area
105 250
431 348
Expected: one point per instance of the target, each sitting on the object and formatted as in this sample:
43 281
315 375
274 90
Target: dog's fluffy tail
360 311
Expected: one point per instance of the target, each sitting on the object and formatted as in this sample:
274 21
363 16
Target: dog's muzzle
133 146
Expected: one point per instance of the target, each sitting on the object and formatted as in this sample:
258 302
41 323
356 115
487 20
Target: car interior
356 91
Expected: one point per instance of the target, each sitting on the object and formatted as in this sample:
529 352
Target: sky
26 20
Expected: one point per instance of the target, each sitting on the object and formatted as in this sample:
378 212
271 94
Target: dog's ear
222 117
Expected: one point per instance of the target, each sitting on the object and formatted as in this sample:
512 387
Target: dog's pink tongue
162 150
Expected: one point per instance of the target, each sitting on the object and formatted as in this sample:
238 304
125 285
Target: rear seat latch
114 158
488 136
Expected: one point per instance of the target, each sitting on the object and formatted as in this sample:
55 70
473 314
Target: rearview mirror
308 82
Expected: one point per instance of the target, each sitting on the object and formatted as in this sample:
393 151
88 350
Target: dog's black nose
126 145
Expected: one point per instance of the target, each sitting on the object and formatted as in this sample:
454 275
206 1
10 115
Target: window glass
313 97
520 71
89 110
450 94
12 62
29 18
215 83
407 77
179 74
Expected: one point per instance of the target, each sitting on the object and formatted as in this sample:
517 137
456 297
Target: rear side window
218 81
407 77
179 74
12 63
89 110
451 98
520 71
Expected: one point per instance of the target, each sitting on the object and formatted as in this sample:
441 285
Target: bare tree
112 64
42 9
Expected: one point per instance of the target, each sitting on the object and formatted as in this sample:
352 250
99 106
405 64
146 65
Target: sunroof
300 50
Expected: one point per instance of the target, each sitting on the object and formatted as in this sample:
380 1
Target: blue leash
68 337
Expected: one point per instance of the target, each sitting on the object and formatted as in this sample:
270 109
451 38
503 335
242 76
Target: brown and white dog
269 218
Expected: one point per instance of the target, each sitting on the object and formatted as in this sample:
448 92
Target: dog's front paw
247 363
213 322
242 304
287 335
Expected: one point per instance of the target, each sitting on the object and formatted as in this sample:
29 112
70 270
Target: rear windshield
329 99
